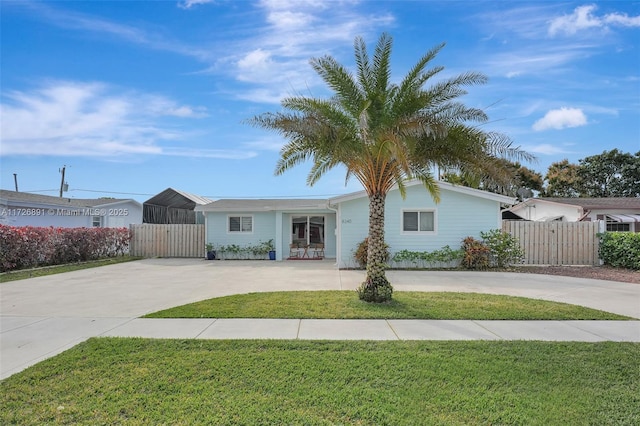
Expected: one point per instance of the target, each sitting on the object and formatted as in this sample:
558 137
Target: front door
307 230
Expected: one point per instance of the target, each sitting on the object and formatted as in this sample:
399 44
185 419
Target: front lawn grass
59 269
405 305
185 382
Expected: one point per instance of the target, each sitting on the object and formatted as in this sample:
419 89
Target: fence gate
154 240
556 243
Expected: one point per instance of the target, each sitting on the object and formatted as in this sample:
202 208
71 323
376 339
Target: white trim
418 232
228 224
442 185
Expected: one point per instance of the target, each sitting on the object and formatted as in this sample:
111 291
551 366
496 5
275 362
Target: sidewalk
357 329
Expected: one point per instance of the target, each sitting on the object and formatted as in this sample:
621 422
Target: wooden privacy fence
153 240
556 243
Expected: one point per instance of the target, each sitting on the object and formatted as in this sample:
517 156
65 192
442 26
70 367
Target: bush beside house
620 249
28 246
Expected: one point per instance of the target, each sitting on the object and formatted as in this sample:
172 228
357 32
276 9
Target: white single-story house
27 209
619 214
339 224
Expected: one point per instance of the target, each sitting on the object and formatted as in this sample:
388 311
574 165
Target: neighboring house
619 214
27 209
172 206
415 223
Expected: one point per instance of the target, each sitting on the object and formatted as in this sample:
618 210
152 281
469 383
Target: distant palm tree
385 134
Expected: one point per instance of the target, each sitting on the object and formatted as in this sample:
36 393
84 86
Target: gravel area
594 272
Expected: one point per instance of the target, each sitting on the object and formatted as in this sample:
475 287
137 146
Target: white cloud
92 119
583 18
188 4
546 149
561 119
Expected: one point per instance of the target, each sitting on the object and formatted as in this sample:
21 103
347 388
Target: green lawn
405 305
185 382
58 269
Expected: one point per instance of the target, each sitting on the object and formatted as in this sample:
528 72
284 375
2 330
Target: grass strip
184 382
405 305
59 269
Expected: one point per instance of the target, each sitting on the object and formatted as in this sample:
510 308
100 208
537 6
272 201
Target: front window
420 221
96 221
240 224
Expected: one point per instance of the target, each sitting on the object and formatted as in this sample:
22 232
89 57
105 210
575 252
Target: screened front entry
307 230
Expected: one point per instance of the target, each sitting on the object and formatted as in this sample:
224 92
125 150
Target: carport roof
177 199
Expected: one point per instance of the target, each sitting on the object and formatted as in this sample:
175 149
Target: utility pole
62 181
15 180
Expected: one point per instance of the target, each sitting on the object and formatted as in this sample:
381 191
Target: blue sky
135 97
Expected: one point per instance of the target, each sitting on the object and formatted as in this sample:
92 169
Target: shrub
28 246
503 247
620 249
476 254
362 251
445 255
376 290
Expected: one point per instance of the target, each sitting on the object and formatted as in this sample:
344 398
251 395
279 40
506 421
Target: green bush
620 249
504 248
445 255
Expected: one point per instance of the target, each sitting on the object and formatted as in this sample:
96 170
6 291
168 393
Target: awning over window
623 218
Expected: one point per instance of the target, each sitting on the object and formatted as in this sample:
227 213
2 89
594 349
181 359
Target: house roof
443 186
7 196
237 205
617 203
177 199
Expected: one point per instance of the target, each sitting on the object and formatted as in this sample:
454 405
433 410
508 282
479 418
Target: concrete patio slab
248 328
440 330
350 329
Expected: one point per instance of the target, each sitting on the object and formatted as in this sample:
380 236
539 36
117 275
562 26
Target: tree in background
562 180
385 133
521 178
610 174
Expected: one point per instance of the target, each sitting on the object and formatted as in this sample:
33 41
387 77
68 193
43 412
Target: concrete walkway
44 316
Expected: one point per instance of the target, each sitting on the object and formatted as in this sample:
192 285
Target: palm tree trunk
376 288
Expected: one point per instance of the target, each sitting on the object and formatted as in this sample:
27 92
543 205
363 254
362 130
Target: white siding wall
457 216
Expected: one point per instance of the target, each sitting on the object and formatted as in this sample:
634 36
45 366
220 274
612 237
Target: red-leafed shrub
28 246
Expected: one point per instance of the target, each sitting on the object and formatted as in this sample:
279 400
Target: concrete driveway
43 316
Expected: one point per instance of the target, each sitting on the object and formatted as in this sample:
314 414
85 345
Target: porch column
278 239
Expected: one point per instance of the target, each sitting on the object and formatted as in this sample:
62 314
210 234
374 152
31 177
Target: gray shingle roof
617 203
27 197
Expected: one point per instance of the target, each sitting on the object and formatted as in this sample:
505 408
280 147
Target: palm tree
385 134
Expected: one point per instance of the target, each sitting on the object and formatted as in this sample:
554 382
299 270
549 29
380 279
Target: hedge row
620 249
28 246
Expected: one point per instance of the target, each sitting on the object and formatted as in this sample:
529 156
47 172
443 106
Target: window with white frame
418 221
240 224
96 221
